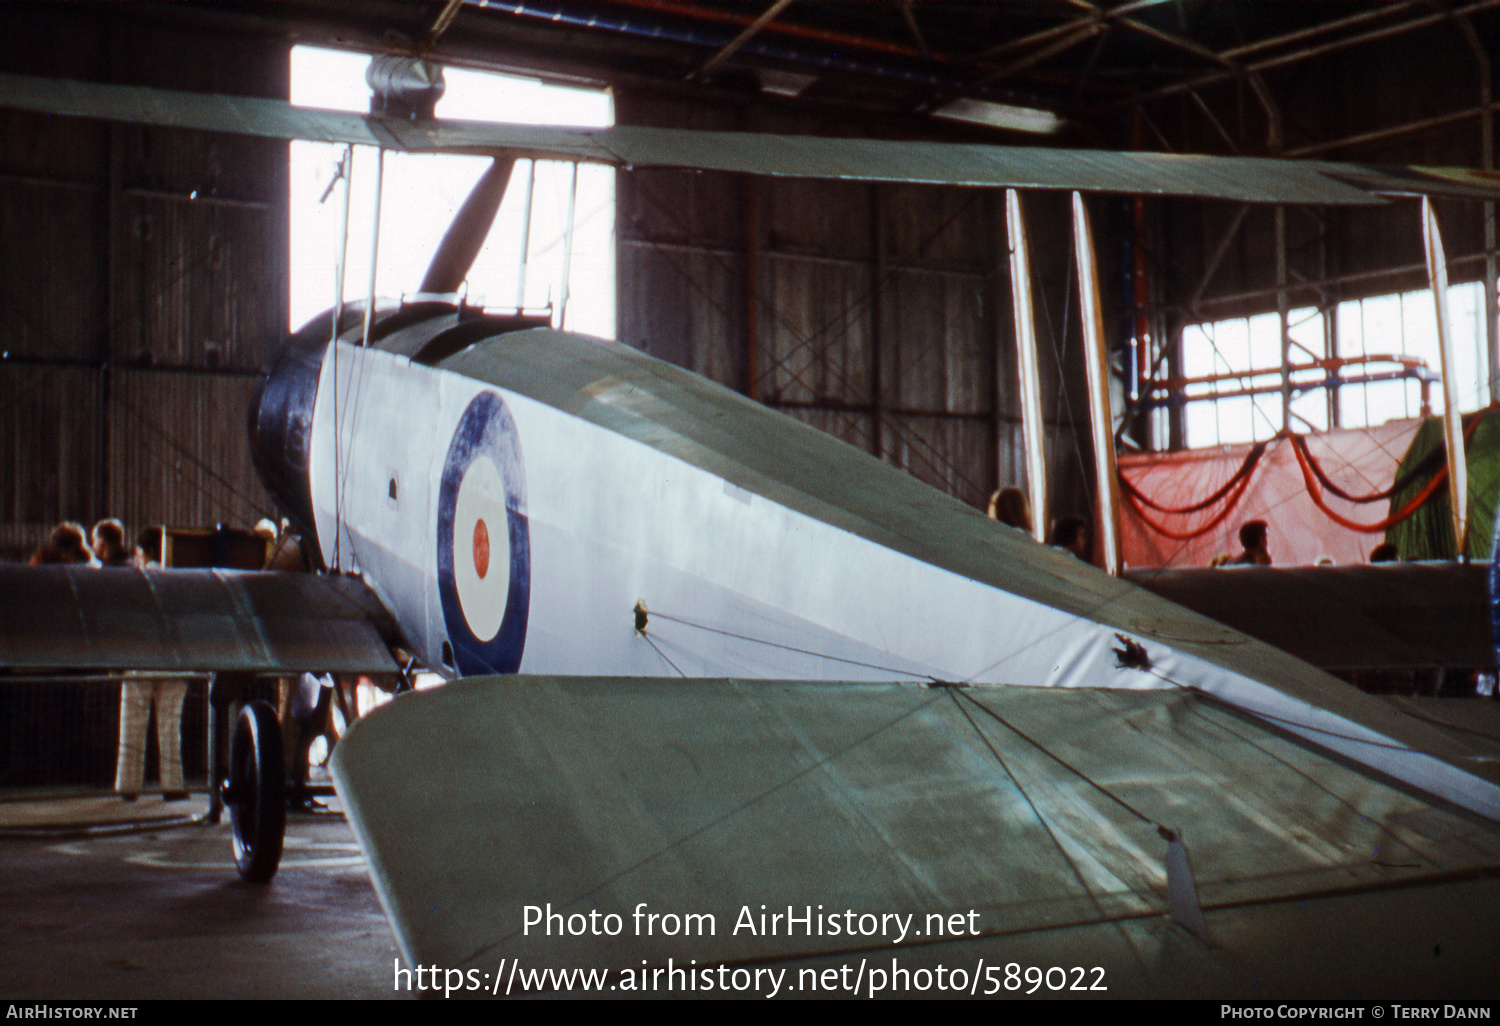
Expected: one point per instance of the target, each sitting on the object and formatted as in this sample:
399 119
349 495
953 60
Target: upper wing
1247 179
1001 825
81 618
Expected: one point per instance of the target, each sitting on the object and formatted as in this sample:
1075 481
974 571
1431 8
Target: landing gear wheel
256 792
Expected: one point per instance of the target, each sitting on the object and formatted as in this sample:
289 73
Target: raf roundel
484 549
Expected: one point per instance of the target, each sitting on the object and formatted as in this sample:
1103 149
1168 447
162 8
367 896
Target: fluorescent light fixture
783 83
1000 115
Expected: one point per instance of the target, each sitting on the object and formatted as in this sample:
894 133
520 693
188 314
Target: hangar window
421 193
1232 373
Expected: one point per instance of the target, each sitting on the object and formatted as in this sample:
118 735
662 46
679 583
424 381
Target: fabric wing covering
1246 179
1044 812
1428 532
84 618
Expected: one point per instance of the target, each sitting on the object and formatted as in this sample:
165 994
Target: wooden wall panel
49 444
684 305
179 450
880 313
53 301
815 328
190 287
124 250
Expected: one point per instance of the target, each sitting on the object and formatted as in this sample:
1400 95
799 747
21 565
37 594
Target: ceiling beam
744 37
1281 60
1093 14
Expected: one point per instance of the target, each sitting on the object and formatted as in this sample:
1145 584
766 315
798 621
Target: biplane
710 663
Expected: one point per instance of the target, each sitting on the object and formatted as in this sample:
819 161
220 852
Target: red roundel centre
481 548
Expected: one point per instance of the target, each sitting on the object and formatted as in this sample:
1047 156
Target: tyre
256 792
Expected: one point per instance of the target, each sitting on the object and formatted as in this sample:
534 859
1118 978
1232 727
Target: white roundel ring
481 548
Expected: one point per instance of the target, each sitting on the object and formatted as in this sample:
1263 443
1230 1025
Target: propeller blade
460 245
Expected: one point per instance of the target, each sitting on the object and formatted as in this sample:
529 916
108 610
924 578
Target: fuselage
533 501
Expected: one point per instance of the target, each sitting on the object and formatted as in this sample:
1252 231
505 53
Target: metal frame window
1356 364
552 244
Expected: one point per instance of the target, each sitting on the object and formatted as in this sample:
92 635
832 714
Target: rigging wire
1207 701
903 674
955 693
1033 742
1051 834
345 172
652 642
1299 725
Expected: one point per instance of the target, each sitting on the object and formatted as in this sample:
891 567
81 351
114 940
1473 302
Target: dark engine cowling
281 424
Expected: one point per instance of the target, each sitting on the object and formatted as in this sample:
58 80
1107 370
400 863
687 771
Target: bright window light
1402 324
421 193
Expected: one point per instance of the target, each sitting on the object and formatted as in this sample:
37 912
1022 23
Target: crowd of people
104 546
1009 506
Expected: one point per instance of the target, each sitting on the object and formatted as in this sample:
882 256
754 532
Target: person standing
109 544
140 694
1008 505
67 545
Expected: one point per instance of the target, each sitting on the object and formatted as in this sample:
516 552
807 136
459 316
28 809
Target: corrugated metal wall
879 314
142 283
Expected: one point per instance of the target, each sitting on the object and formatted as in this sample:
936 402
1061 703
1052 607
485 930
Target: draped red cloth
1359 460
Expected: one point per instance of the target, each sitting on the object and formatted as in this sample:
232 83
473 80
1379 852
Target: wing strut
1097 363
1031 381
1453 431
364 339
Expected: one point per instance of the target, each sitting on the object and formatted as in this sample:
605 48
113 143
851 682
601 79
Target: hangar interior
147 268
146 278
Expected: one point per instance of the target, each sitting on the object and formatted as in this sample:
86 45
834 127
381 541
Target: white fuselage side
613 522
532 544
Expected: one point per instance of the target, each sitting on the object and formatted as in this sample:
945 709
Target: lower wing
81 618
636 826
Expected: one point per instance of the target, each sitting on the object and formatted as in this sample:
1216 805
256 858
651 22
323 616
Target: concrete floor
163 914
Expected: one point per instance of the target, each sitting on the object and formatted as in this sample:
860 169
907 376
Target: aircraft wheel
256 792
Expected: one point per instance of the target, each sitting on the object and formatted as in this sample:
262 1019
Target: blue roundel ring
485 431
